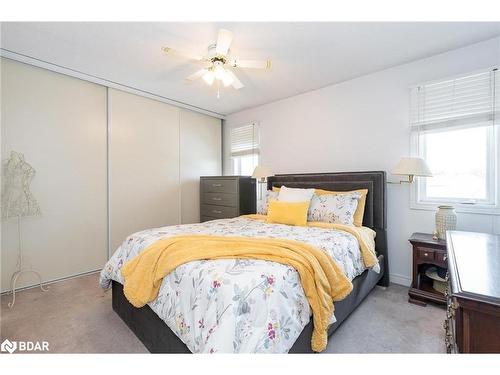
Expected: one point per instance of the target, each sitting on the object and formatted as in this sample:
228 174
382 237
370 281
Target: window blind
244 140
468 100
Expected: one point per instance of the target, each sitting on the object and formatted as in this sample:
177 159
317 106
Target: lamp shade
261 172
412 167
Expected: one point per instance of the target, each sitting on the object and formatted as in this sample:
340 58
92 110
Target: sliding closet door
59 124
144 187
200 143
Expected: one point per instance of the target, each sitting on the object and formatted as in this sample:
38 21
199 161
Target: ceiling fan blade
196 75
181 54
236 82
253 64
224 40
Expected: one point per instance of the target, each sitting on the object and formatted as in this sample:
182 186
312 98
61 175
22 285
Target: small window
244 149
453 125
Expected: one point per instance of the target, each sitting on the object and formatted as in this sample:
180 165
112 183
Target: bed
159 338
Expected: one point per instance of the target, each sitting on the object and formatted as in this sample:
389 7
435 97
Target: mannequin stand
21 269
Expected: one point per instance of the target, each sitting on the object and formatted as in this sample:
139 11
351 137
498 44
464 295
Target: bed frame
159 338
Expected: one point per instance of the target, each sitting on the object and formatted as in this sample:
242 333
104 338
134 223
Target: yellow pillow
360 209
291 213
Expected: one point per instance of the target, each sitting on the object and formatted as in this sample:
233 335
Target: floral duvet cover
236 305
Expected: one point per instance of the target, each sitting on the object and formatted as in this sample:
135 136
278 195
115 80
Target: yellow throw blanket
322 279
364 235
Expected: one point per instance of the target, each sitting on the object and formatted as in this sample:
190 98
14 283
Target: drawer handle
216 199
426 254
216 211
445 256
216 185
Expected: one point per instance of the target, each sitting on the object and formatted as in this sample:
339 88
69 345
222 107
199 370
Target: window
244 149
453 124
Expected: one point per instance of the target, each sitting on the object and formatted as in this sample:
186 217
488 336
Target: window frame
255 150
233 158
492 207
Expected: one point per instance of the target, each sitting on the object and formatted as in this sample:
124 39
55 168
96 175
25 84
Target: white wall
362 124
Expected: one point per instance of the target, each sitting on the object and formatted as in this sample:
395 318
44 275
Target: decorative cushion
263 205
333 208
291 213
360 209
295 195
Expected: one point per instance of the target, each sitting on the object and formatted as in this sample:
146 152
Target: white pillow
333 208
264 204
295 194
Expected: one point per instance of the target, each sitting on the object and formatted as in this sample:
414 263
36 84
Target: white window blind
244 140
452 129
465 101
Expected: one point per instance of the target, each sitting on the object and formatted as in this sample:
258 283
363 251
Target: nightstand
427 252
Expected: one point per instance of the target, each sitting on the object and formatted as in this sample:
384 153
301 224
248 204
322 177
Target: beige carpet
75 316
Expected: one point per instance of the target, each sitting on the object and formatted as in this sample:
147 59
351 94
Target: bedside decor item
446 219
438 283
428 255
411 167
261 174
18 202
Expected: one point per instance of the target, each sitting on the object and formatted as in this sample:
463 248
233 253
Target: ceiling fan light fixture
209 77
227 80
219 72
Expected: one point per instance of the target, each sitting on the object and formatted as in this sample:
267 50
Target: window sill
459 208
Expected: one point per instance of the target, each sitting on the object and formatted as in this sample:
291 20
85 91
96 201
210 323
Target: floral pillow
333 208
264 204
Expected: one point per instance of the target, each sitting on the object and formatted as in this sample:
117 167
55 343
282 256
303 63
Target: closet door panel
200 142
59 124
144 165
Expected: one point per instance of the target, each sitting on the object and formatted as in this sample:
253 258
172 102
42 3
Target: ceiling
305 56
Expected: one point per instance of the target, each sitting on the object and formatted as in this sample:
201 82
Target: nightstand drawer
440 256
222 199
218 212
426 253
220 185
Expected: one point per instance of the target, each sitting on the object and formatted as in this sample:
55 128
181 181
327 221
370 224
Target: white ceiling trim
101 81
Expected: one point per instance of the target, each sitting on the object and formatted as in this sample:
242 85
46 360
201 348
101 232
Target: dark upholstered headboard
375 215
375 209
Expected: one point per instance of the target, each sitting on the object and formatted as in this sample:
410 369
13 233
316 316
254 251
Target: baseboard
400 279
52 281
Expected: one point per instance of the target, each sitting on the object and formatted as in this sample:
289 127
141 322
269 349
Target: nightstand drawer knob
216 211
426 254
216 199
217 185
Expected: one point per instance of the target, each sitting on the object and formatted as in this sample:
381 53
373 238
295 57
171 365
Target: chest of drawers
473 295
223 197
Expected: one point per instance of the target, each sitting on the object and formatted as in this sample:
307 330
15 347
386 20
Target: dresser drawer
426 253
220 185
218 212
206 218
222 199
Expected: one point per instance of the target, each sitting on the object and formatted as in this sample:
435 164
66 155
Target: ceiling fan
218 62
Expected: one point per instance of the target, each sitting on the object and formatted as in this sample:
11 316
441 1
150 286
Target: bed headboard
375 215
